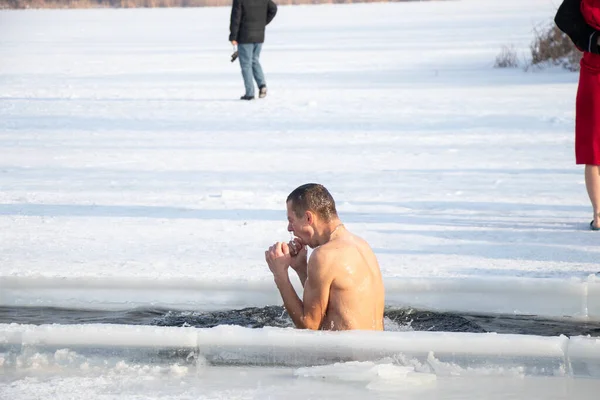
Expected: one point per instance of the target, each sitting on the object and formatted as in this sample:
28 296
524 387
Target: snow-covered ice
126 156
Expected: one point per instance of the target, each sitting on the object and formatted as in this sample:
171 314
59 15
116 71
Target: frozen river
137 196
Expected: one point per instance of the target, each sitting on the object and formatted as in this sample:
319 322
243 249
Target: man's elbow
309 323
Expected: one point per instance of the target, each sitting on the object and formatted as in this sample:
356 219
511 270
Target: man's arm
271 11
236 20
309 312
302 275
570 20
299 264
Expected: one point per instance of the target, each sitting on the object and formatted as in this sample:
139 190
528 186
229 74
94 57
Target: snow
393 362
135 381
130 175
126 157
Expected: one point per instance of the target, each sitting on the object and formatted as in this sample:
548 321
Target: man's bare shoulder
321 259
348 241
351 248
326 252
318 256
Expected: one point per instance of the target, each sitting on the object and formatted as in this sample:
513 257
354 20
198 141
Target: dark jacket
569 19
249 18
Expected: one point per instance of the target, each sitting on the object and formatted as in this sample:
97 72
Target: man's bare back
356 294
343 287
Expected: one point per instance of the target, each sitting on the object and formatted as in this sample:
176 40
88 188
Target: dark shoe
592 227
246 97
262 91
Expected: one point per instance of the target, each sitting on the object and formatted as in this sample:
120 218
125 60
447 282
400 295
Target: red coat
587 118
591 12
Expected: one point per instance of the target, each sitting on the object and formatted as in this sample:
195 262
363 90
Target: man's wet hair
312 197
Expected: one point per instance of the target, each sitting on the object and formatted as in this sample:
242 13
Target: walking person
580 20
247 31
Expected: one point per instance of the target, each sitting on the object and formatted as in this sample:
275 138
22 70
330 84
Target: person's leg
256 68
592 184
245 54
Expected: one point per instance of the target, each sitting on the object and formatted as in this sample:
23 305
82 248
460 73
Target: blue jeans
249 54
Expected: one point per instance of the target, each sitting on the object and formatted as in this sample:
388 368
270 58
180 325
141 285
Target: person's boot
246 97
262 91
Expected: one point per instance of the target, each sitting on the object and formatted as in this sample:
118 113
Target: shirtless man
343 287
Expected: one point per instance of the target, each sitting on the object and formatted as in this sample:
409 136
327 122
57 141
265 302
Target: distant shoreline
74 4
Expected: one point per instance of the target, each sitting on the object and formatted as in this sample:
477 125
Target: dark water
276 316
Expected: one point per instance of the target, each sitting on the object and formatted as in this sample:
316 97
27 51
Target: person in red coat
580 20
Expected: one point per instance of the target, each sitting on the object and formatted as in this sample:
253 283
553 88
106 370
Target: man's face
298 226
